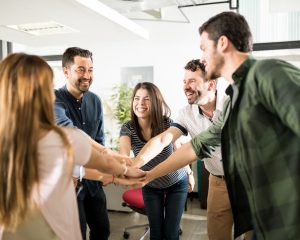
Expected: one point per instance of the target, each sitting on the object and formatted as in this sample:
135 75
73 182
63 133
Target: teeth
141 109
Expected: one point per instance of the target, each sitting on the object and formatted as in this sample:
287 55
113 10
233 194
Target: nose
186 86
202 60
142 102
138 101
87 74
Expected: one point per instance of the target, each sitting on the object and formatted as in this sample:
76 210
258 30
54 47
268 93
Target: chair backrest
134 199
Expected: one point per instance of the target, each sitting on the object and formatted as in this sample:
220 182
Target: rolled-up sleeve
204 143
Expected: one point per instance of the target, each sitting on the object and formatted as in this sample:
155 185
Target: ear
211 85
66 71
223 43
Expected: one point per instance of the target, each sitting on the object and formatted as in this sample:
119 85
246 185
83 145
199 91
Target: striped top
137 144
191 121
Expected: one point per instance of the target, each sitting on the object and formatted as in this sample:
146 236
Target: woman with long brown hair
165 197
37 196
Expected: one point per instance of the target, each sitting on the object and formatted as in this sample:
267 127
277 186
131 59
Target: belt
219 176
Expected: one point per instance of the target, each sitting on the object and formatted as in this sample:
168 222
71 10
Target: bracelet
125 170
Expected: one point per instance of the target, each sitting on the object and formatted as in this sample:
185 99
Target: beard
197 99
83 88
195 96
215 72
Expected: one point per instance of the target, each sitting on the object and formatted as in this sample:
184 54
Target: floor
193 223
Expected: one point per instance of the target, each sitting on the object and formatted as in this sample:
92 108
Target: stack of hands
132 176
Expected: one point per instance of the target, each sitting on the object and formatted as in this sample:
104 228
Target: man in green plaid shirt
259 132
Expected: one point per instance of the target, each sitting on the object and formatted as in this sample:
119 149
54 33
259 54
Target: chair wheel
180 231
126 235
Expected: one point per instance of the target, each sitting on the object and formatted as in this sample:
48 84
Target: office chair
133 199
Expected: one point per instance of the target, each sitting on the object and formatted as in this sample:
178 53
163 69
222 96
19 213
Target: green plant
120 107
121 100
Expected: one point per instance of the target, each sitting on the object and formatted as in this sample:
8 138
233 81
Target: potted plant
120 102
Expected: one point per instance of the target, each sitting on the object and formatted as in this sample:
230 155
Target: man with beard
205 106
76 106
260 131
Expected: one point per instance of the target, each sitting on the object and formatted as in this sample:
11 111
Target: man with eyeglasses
76 106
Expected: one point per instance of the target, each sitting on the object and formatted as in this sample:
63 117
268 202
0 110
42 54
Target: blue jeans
164 209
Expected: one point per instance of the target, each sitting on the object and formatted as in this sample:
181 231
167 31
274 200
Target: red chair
133 199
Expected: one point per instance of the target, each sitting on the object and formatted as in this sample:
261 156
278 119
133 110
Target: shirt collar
238 76
221 97
242 70
74 99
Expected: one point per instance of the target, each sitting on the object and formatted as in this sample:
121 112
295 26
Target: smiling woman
165 196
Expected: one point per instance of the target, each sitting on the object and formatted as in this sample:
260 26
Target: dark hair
195 65
72 52
232 25
159 110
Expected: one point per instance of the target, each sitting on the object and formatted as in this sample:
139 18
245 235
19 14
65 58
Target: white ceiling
91 26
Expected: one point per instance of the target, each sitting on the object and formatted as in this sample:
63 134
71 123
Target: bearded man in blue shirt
76 106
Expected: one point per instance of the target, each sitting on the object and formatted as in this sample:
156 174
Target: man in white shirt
205 105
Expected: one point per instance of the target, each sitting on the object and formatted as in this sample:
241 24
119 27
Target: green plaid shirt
260 136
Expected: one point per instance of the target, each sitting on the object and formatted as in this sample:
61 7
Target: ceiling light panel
43 28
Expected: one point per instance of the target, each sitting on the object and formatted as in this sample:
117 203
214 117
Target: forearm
152 148
204 143
180 158
93 174
96 145
106 160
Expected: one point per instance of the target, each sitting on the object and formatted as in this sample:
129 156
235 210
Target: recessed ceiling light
43 28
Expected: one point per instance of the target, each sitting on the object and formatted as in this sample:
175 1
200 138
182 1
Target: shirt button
79 108
83 123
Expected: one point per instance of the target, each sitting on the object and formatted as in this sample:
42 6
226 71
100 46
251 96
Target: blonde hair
26 106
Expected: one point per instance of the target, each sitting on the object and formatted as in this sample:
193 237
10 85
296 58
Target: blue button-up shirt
85 114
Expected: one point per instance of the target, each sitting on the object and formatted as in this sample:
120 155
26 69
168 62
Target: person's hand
133 172
145 180
129 182
136 162
117 156
107 179
191 182
128 162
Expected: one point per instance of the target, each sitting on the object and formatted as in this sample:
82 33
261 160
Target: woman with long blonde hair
37 197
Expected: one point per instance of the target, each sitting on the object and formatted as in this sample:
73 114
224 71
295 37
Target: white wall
170 46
